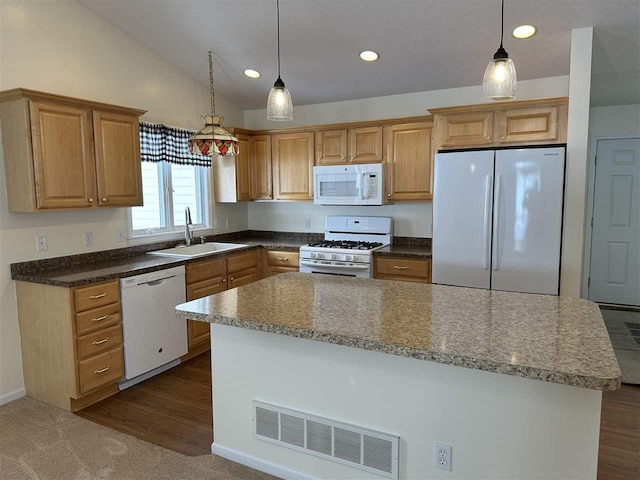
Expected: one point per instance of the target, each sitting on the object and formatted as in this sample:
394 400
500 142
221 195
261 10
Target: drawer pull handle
95 297
100 342
400 267
104 200
99 319
102 370
282 259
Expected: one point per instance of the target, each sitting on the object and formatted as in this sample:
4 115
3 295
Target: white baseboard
11 396
259 464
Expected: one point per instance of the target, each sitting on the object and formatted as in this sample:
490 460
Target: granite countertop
83 269
543 337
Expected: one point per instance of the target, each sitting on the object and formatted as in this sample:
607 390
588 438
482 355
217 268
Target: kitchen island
511 381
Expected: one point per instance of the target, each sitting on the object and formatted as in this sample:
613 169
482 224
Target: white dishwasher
154 338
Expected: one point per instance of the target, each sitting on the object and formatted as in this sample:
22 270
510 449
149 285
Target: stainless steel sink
182 251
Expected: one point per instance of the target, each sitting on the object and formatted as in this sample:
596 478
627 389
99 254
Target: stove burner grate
346 244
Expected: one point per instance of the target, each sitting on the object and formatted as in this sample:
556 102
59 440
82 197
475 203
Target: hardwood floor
174 410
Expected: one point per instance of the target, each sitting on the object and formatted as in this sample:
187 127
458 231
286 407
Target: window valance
163 143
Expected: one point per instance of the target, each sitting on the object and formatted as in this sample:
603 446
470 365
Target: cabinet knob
224 280
389 195
104 200
488 137
90 200
231 278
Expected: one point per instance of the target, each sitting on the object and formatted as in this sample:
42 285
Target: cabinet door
293 166
118 165
243 277
365 145
533 124
243 177
198 332
63 156
260 163
331 147
409 161
242 261
473 129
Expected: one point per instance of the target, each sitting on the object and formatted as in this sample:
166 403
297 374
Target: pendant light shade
212 139
499 82
279 104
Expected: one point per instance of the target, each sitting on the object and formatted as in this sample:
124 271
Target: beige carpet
39 442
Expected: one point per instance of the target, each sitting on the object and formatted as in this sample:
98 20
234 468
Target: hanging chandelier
499 82
279 104
213 140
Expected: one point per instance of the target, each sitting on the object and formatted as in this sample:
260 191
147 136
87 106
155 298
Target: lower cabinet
282 262
402 268
209 277
71 341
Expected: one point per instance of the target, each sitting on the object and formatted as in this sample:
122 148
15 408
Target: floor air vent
344 443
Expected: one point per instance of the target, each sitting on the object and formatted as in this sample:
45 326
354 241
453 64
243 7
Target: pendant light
279 104
213 140
499 82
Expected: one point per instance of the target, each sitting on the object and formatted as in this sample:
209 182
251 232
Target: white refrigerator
497 219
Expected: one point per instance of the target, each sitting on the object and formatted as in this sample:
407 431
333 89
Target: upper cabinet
349 145
293 166
61 152
409 161
527 122
231 173
260 167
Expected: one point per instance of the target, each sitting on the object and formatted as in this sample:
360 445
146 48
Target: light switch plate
88 239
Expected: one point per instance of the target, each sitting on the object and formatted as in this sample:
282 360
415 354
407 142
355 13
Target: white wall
616 120
62 47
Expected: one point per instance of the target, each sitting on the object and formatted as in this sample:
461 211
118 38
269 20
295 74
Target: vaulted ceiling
423 44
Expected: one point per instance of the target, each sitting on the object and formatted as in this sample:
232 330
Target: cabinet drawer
403 267
282 259
96 296
98 318
100 370
206 270
242 261
100 341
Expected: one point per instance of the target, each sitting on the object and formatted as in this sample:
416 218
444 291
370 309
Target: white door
527 220
462 203
615 242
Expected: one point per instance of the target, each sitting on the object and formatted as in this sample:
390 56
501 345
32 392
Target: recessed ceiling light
369 56
524 31
252 73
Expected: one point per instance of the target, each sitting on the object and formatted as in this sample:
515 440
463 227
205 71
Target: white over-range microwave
348 184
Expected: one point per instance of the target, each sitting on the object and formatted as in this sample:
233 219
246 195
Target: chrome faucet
188 226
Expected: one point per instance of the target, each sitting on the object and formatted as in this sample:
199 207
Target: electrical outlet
442 456
120 235
228 222
41 243
88 239
307 224
217 223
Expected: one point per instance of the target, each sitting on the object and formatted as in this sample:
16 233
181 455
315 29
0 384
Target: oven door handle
328 265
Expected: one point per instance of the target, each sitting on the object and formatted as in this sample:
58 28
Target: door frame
591 186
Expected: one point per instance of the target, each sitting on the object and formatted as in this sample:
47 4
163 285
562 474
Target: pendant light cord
278 11
502 25
213 98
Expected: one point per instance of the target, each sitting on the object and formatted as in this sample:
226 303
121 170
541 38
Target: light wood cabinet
231 174
406 269
71 341
282 262
65 153
208 277
260 166
527 122
349 145
409 161
293 166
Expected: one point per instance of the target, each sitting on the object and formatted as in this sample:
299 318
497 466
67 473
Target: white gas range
348 245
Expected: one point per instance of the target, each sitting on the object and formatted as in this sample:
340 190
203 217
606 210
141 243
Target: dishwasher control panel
151 276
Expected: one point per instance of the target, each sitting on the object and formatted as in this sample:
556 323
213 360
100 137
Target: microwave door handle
363 194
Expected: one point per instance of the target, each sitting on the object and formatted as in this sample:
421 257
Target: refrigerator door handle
496 222
487 222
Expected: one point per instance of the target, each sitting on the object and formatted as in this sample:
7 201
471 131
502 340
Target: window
172 179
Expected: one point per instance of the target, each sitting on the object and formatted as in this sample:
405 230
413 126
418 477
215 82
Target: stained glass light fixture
279 104
213 140
499 82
